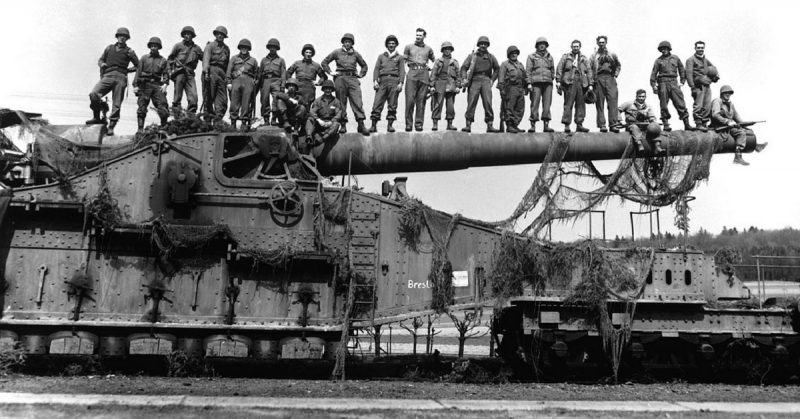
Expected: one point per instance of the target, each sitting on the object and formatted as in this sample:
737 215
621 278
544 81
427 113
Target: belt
667 77
218 66
482 73
390 75
415 66
345 73
271 76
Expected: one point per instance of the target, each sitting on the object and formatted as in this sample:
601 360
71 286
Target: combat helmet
308 46
350 37
154 40
446 45
221 29
245 43
725 89
391 38
664 44
512 49
653 130
712 73
328 84
188 29
124 32
541 40
273 42
293 81
483 39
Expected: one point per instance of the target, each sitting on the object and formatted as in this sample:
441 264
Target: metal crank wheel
286 204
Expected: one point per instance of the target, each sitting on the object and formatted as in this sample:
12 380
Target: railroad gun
231 244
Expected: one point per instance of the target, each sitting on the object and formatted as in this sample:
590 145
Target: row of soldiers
579 78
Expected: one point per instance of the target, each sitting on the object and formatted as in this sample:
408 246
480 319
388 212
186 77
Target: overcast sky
51 50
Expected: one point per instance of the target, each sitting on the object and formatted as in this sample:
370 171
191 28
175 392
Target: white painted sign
460 278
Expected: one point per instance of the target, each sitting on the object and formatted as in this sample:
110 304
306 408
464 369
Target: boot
566 128
686 125
409 128
615 127
701 126
450 126
667 128
343 128
640 146
110 130
245 125
95 118
737 158
467 128
547 127
435 126
533 127
389 127
233 123
761 147
361 128
658 148
418 127
603 129
581 128
140 124
265 118
512 129
164 120
490 128
374 127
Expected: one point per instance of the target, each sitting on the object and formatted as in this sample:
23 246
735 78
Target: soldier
306 71
605 70
387 80
512 83
479 71
325 116
291 108
114 71
272 77
445 84
541 70
724 118
182 62
417 56
639 115
664 80
700 73
574 74
150 83
241 79
346 80
216 56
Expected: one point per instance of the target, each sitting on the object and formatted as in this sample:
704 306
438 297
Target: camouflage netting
171 238
103 206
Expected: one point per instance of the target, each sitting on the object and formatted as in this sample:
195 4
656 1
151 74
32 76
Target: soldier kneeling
640 118
325 116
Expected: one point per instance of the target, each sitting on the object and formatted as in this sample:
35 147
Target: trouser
481 87
241 93
184 82
152 91
292 115
387 93
416 95
442 97
307 91
270 86
312 127
637 135
701 94
542 93
606 89
218 93
573 97
514 98
739 135
115 83
669 89
348 87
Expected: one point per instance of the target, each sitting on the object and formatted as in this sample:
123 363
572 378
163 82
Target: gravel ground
395 389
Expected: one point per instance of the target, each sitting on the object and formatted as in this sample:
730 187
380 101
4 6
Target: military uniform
417 79
446 84
325 109
306 73
216 57
513 81
346 80
241 74
388 74
722 113
151 75
291 108
273 77
664 79
484 74
575 74
700 83
183 59
113 65
637 115
605 69
541 70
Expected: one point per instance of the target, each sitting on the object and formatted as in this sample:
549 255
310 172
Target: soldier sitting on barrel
640 119
325 116
291 108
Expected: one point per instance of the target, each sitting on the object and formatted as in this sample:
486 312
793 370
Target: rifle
740 125
208 106
256 88
470 72
502 109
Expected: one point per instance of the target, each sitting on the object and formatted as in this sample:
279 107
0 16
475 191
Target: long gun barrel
440 151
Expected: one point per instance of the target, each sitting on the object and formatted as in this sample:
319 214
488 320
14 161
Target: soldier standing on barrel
445 84
150 83
417 56
700 73
272 77
512 83
479 71
182 62
605 69
346 80
241 79
113 78
541 70
667 69
215 63
574 74
387 79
